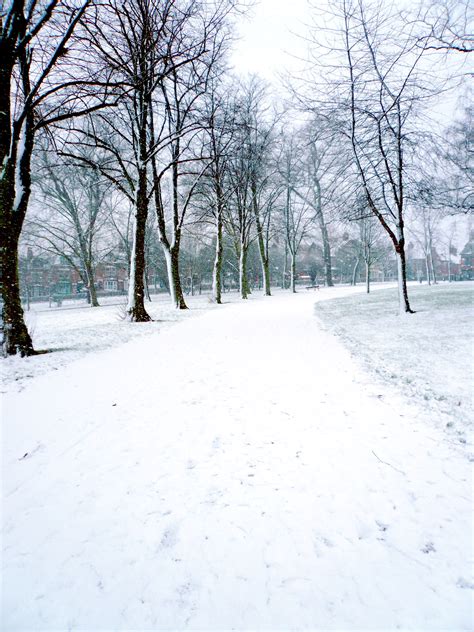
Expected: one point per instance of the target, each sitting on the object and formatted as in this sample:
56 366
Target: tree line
121 122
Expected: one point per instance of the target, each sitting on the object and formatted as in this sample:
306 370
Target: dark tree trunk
176 279
91 289
16 338
136 303
13 205
402 277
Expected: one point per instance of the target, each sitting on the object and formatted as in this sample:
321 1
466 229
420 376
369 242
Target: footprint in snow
465 584
320 538
169 538
428 548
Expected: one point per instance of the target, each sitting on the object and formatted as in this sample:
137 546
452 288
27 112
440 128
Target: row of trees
124 121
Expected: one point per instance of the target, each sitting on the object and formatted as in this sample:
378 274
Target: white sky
268 37
271 42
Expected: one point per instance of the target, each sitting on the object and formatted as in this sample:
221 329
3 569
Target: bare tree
202 36
252 176
41 83
424 227
239 217
322 168
383 88
456 171
373 78
258 127
298 216
219 115
69 216
137 48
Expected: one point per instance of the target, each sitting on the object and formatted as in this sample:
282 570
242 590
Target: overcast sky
267 37
272 41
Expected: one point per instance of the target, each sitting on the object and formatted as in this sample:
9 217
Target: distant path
238 471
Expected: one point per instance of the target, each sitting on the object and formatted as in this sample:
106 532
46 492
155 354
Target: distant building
467 259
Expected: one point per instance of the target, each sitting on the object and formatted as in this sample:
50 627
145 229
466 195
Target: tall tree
219 114
201 40
136 49
323 163
258 124
298 215
38 87
383 88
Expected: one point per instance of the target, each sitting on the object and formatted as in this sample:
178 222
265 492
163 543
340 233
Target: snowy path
235 471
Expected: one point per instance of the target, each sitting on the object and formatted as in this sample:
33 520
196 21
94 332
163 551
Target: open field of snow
427 355
76 329
237 470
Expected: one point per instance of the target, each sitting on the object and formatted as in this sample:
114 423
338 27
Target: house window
111 285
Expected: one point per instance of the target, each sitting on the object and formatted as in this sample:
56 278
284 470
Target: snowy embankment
237 470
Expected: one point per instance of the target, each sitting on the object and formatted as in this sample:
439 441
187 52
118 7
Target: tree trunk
172 266
263 254
404 303
217 272
94 300
428 270
243 282
326 250
367 277
16 338
293 272
432 267
91 289
136 291
266 277
15 188
354 272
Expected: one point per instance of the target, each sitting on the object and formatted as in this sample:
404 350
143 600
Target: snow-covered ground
238 470
427 355
75 329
